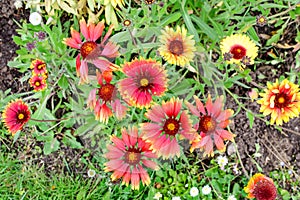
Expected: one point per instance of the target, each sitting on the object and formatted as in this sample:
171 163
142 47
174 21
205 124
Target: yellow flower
281 100
114 3
176 47
238 49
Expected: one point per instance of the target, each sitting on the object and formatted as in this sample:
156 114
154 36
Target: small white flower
236 169
206 190
35 18
231 197
222 161
194 192
50 19
281 164
290 171
18 4
157 196
176 198
186 185
91 173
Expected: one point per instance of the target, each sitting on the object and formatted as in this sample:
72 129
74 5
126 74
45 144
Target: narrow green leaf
170 19
250 116
211 33
63 82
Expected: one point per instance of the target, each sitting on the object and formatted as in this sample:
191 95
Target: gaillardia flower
99 98
128 157
167 122
176 47
90 51
261 188
38 66
16 115
238 48
38 82
145 78
212 122
281 100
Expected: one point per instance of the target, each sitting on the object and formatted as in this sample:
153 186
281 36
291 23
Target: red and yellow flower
15 116
167 122
281 100
261 188
99 98
38 82
38 66
128 158
90 51
211 125
176 47
239 49
145 78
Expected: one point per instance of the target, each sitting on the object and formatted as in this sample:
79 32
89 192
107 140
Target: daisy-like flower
238 48
128 157
90 51
176 47
157 196
15 116
212 121
38 82
261 188
38 66
206 190
168 121
281 100
261 20
91 173
145 78
231 197
222 161
194 192
99 98
35 18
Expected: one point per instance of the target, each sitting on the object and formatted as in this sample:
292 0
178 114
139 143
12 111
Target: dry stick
239 157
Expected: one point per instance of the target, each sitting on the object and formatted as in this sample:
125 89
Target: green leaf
188 21
205 28
51 146
63 82
170 19
236 188
250 116
70 140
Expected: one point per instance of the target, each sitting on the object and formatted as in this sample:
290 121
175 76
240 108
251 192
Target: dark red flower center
37 83
87 47
133 156
176 47
145 84
282 100
207 124
22 117
265 190
106 91
171 126
149 1
238 51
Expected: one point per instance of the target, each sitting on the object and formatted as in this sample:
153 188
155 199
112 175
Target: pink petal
224 115
83 72
110 50
209 105
113 153
118 142
91 101
119 110
78 64
103 64
126 178
125 137
207 144
97 32
135 179
113 165
219 143
225 134
172 107
84 29
76 36
199 105
156 114
150 130
108 33
217 107
144 176
71 42
192 108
